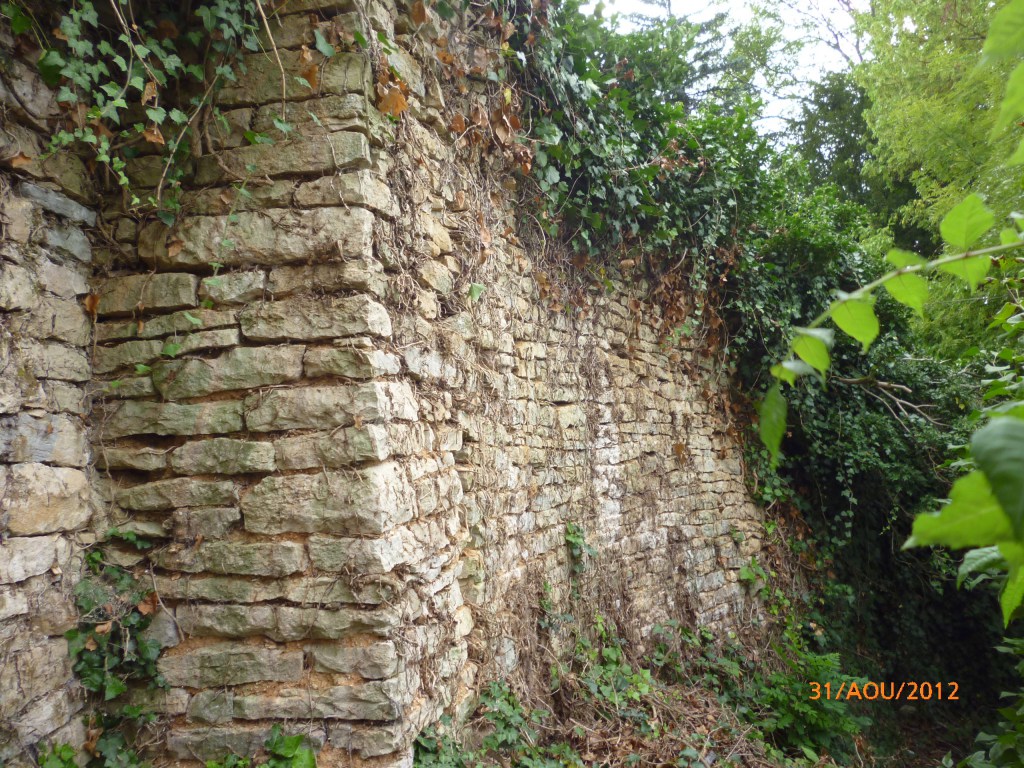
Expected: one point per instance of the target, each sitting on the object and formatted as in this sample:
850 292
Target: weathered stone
58 203
329 407
228 664
179 492
371 740
284 623
12 603
238 368
223 456
344 112
142 459
17 288
211 707
53 361
213 743
61 280
371 701
325 153
371 501
227 557
54 318
338 449
364 556
310 319
22 557
378 661
164 325
69 240
279 193
362 188
351 275
313 590
350 363
261 82
126 355
272 237
37 498
49 438
138 418
208 522
233 287
130 387
135 293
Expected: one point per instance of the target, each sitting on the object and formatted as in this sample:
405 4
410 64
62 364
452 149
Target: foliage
135 81
282 752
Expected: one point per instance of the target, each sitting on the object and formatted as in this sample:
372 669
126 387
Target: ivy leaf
998 448
973 518
322 45
1006 33
982 559
772 426
910 289
857 318
50 65
304 758
966 223
475 291
170 349
812 344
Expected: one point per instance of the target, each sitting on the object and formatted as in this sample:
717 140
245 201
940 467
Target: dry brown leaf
91 303
153 135
148 605
174 246
19 160
392 101
458 124
90 644
460 200
627 264
104 628
419 13
166 30
306 55
311 75
149 92
140 324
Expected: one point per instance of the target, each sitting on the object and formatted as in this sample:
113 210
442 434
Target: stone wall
45 491
358 477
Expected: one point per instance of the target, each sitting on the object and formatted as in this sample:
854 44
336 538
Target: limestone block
365 556
338 449
272 237
213 743
224 557
329 406
139 418
229 664
367 501
44 437
239 368
17 287
53 318
69 240
435 275
362 188
350 275
13 602
370 701
53 361
350 363
284 623
223 456
165 325
139 458
378 661
311 590
126 355
233 287
178 492
61 280
46 714
37 498
133 293
57 203
326 153
209 522
370 740
22 557
261 83
344 112
312 319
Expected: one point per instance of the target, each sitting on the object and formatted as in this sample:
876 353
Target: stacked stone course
357 478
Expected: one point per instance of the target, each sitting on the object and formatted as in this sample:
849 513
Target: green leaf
1006 33
475 291
304 758
966 223
322 45
972 271
857 318
1013 593
812 344
50 65
19 21
156 114
1012 105
998 448
113 687
1004 314
142 369
900 258
170 349
910 290
1009 236
982 559
772 427
973 518
192 318
1017 158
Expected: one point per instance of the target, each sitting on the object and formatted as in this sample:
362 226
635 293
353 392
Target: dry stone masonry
358 477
